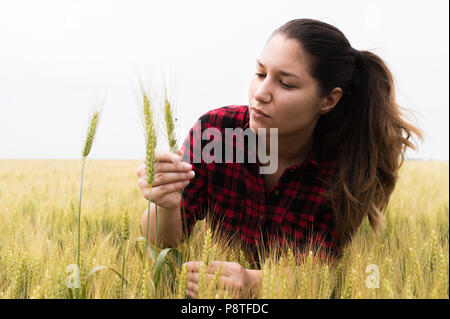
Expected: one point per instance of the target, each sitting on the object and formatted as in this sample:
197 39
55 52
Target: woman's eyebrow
285 73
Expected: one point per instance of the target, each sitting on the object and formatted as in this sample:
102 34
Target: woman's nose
262 93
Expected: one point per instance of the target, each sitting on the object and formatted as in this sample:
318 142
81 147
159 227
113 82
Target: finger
193 287
209 278
164 167
165 156
181 167
142 183
191 294
168 178
193 266
193 277
159 192
146 193
143 186
140 170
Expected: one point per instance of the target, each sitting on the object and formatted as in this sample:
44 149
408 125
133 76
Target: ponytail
374 143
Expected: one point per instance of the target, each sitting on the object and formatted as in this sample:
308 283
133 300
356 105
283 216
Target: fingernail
187 166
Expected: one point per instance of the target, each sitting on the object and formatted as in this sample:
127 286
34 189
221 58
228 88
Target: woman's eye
287 85
261 75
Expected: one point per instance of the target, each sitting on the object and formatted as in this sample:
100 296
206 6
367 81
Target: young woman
341 141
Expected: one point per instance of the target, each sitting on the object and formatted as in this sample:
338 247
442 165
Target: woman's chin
255 126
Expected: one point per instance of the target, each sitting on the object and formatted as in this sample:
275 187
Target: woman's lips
258 113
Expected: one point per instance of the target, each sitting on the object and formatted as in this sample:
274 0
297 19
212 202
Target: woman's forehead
284 54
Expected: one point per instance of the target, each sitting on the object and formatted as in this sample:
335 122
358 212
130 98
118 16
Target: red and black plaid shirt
294 209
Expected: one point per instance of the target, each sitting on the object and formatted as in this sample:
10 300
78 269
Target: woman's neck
293 148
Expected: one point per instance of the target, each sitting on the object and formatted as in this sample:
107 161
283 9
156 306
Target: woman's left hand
233 277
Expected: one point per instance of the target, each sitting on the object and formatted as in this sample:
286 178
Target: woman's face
290 101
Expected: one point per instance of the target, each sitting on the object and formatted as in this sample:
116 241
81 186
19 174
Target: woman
341 141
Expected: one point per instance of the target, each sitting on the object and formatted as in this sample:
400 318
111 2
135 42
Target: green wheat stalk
150 145
124 235
170 127
92 129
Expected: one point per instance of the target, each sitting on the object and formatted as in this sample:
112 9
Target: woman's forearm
169 226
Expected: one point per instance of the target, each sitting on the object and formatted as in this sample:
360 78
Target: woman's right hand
171 176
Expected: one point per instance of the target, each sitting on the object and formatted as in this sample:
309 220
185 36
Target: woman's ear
330 101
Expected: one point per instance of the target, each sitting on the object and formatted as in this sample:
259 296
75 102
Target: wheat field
38 240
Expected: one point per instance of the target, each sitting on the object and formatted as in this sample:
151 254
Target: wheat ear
150 145
92 129
168 116
182 282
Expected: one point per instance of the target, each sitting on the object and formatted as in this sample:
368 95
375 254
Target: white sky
58 57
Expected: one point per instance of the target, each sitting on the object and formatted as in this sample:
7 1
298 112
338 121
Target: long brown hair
367 123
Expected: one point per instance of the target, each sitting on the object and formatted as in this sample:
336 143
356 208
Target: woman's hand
171 176
234 277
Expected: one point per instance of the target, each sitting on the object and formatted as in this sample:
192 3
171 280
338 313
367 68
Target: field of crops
38 240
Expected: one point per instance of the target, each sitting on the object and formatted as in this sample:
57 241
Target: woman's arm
169 226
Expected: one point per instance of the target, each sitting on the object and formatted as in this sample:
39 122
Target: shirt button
276 192
261 217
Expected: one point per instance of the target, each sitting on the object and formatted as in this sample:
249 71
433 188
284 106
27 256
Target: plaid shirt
293 210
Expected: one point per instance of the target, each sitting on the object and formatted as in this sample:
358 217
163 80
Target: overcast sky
57 58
